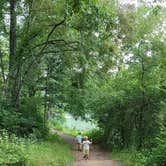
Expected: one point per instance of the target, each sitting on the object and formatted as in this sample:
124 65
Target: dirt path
98 157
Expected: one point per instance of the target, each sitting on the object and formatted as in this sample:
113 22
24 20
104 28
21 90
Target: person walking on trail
86 146
79 141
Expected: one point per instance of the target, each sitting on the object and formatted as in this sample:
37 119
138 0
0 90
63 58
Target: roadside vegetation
32 152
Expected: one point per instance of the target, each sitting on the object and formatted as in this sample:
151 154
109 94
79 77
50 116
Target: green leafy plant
158 154
95 135
12 150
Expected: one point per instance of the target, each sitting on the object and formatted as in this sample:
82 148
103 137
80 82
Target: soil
97 157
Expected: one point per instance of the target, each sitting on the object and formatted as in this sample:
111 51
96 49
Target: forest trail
98 157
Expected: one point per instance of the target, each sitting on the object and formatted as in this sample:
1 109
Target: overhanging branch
38 56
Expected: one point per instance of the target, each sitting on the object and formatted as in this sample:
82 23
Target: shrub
96 135
24 120
129 157
158 154
12 150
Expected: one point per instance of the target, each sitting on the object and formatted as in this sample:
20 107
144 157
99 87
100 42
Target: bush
25 120
16 151
129 157
96 135
158 154
12 150
31 119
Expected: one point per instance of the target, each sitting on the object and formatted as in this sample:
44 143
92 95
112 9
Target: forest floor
98 157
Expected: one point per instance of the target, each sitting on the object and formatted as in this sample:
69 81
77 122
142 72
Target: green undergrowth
66 130
52 151
154 156
129 158
12 150
96 135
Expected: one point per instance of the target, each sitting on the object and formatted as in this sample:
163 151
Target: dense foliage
12 150
95 59
18 151
128 103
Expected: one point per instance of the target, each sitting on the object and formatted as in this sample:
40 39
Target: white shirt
86 144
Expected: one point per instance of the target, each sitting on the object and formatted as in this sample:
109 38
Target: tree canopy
94 57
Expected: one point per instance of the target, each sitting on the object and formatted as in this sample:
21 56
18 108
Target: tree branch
55 52
44 46
58 41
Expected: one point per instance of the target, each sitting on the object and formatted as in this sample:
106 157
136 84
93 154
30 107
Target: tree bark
12 55
12 29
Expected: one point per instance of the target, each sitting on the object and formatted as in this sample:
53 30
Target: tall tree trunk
12 30
12 55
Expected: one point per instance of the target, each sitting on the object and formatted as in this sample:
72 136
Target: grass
70 132
129 158
52 152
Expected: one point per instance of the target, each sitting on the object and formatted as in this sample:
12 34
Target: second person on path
79 141
86 146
